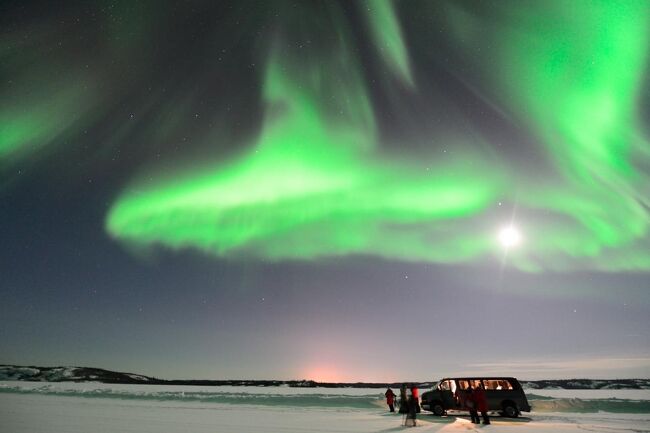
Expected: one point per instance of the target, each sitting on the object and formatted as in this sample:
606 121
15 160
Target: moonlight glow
509 237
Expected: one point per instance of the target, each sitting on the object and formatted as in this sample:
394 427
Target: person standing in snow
470 404
416 396
390 399
403 403
481 403
411 414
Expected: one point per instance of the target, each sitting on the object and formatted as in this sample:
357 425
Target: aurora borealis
315 183
200 150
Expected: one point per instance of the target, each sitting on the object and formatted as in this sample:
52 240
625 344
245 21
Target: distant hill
69 374
88 374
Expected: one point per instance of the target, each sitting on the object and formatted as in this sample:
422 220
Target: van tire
437 408
509 409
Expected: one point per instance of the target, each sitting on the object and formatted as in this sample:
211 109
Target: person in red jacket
416 396
390 399
481 403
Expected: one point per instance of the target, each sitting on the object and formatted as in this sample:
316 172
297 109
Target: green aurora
314 184
29 122
573 77
320 179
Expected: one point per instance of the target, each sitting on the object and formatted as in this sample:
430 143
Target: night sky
328 190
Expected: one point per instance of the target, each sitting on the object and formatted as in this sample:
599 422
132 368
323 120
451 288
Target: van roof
480 378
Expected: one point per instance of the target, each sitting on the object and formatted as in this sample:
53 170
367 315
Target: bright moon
509 236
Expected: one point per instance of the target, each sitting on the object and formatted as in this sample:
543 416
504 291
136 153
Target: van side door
461 393
447 388
497 391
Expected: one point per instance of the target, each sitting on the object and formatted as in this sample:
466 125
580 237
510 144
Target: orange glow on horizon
330 373
324 373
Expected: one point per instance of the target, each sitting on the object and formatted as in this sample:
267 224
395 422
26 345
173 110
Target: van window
448 385
497 384
464 384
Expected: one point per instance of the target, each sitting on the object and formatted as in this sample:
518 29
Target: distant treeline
87 374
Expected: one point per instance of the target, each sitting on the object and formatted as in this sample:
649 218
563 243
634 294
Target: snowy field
33 407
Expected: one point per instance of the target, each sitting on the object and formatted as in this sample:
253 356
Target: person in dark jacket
390 399
411 414
470 404
403 403
481 403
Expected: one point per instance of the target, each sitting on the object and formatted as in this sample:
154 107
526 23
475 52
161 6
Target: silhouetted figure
390 399
481 403
403 403
470 404
412 406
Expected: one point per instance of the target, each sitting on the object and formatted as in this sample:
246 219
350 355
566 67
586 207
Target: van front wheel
437 408
510 410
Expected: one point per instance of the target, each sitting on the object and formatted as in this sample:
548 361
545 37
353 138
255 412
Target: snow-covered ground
96 407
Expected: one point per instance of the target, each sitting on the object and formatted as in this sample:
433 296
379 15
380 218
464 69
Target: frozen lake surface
95 407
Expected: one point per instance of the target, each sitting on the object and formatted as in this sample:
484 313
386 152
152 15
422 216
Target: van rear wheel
510 410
